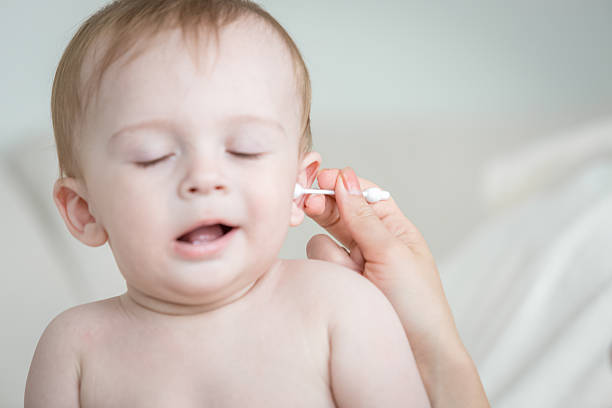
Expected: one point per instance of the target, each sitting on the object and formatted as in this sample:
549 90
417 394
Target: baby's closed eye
245 155
154 161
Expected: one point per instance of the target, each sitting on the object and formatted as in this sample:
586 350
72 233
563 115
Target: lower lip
203 250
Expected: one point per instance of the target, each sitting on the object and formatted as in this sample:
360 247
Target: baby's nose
202 178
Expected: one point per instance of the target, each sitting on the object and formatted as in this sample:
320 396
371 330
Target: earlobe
307 173
68 194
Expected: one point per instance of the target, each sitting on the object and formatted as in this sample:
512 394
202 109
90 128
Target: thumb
367 230
323 248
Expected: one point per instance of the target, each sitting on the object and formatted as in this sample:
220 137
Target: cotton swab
371 195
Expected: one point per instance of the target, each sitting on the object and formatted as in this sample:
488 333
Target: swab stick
371 195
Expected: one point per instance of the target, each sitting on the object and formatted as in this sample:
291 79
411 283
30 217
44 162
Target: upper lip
204 223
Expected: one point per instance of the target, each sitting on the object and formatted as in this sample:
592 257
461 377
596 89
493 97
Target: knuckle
364 211
330 219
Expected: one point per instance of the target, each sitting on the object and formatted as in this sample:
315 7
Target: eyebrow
168 125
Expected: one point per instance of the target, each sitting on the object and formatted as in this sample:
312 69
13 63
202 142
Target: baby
182 128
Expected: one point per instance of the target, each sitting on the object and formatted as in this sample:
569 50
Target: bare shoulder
321 275
67 334
68 329
335 286
370 359
55 371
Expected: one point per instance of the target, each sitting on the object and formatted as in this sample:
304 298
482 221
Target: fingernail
349 178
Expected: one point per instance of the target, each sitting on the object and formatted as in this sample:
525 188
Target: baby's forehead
246 37
246 66
247 70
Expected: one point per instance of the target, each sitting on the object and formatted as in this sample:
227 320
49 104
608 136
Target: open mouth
205 233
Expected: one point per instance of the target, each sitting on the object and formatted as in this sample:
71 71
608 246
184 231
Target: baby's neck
140 304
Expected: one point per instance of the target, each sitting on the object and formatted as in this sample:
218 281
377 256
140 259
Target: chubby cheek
129 215
273 190
137 240
269 210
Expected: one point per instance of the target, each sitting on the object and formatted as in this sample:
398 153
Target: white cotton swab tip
371 195
374 194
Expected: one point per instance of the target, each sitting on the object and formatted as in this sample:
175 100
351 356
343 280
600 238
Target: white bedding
531 291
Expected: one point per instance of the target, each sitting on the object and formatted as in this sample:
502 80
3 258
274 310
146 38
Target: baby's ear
307 173
69 196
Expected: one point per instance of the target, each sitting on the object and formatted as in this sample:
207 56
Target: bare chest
278 361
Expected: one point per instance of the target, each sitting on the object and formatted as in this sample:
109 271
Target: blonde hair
123 23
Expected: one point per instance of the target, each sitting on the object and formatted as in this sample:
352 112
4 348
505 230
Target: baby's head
174 114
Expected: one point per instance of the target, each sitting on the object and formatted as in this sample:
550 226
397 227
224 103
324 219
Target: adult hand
383 245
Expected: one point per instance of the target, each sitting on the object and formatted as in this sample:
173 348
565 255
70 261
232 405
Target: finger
323 209
387 210
357 257
323 248
330 218
314 205
326 178
364 225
